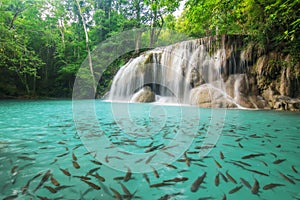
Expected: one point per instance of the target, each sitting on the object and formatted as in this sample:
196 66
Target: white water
177 73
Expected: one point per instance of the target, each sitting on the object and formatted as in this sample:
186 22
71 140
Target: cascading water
204 72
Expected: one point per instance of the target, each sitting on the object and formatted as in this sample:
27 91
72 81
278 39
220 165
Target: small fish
51 189
13 170
139 160
224 197
243 163
255 187
169 154
116 193
217 180
25 188
252 155
146 178
286 178
177 179
258 172
150 158
294 169
221 155
100 178
75 164
197 183
128 175
230 177
11 197
61 187
240 145
65 171
218 164
125 190
96 187
223 177
62 155
153 148
96 162
54 161
74 157
161 185
272 185
246 183
43 180
25 158
54 181
155 172
169 196
83 177
235 189
92 171
278 161
169 165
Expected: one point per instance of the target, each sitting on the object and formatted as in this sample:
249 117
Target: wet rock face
145 95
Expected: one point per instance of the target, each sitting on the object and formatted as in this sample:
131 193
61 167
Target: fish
62 155
116 193
279 161
169 165
11 197
217 180
54 161
96 187
96 162
25 158
230 177
155 172
240 145
258 172
61 187
255 187
92 171
100 178
272 185
65 171
54 181
126 191
221 155
110 157
51 189
139 160
25 188
169 154
294 169
235 189
197 182
74 157
83 177
224 197
161 185
75 164
286 178
146 178
218 164
128 175
150 158
246 183
13 170
253 155
43 180
153 148
169 196
223 177
177 179
243 163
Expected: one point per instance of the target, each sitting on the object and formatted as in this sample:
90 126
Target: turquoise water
174 141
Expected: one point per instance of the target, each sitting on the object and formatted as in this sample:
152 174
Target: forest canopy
44 42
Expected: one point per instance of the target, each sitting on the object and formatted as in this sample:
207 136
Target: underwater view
50 150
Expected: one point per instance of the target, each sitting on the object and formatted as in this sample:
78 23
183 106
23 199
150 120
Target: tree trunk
87 46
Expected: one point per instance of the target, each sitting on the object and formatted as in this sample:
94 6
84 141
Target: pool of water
101 150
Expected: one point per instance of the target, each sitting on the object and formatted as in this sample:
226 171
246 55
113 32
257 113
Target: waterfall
204 72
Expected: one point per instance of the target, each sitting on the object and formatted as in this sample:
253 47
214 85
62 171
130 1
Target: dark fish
125 152
244 163
74 157
224 197
110 157
100 178
126 191
197 183
53 161
128 175
96 187
153 148
119 178
150 158
51 189
177 179
77 146
92 171
169 165
187 160
139 160
96 162
230 177
169 196
263 162
218 164
252 155
223 177
146 178
286 178
43 180
25 158
62 155
155 172
61 142
54 181
169 154
61 187
65 171
278 161
25 188
255 187
217 180
161 184
116 193
240 145
221 155
272 185
11 197
294 169
13 170
83 177
246 183
75 164
235 189
258 172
